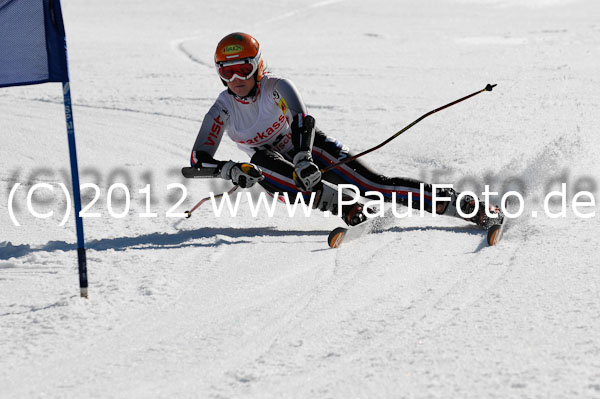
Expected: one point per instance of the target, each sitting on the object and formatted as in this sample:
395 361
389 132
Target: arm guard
303 133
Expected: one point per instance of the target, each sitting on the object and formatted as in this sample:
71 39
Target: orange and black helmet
238 55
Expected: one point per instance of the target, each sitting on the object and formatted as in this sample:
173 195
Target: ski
341 235
494 233
351 233
346 234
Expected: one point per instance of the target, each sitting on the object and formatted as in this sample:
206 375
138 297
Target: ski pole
203 200
489 87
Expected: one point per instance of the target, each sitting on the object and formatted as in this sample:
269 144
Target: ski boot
467 205
326 200
481 218
353 214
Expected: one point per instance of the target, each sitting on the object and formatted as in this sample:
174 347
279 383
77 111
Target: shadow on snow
185 238
180 239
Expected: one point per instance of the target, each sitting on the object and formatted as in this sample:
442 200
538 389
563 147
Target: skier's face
241 87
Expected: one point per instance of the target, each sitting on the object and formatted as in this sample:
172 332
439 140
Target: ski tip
493 235
336 237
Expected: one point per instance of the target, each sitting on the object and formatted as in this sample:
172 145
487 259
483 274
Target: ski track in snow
259 307
179 45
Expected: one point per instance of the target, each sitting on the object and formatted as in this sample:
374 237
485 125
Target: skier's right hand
243 174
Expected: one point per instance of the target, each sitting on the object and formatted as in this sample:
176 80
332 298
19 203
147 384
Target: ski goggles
242 69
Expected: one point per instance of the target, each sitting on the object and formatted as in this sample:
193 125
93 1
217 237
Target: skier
268 120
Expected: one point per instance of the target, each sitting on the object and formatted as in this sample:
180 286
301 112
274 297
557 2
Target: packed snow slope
224 307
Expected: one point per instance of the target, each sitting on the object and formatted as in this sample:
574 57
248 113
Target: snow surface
260 307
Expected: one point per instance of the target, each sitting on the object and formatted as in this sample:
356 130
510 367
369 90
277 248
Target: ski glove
244 174
306 174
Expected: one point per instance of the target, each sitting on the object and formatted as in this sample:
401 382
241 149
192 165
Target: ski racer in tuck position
266 117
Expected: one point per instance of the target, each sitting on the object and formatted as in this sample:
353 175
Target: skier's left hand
306 174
